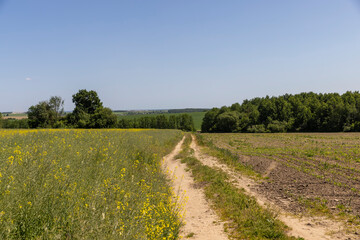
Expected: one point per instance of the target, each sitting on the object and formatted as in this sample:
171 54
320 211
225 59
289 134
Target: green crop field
197 117
86 184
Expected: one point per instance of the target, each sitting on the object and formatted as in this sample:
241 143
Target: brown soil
284 185
292 178
201 222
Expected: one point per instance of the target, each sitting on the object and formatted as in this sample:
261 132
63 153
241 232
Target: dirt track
200 219
202 223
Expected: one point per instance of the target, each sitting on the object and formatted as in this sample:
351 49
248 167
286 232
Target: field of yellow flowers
86 184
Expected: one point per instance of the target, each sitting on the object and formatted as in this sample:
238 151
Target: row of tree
182 121
304 112
90 113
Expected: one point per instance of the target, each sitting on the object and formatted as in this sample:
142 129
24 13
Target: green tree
185 122
86 101
161 122
57 105
103 118
172 122
227 122
46 114
90 113
41 115
209 120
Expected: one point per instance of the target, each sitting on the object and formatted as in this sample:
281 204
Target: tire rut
200 220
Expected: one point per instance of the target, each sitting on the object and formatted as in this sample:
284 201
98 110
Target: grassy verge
245 218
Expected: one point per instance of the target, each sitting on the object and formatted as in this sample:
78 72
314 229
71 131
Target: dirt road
201 222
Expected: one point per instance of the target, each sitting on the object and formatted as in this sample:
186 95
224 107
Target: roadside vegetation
86 184
304 112
244 218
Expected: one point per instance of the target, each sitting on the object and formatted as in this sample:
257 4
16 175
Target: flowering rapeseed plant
86 184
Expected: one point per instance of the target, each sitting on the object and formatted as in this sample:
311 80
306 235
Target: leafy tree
89 112
173 122
41 115
182 121
46 114
256 128
300 112
57 105
161 122
103 118
86 101
15 123
185 122
277 126
227 122
208 123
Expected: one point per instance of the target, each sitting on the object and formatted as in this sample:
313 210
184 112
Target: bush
277 126
256 128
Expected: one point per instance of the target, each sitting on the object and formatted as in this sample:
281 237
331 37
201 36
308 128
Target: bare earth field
303 173
15 117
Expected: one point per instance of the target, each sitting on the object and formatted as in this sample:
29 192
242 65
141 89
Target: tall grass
86 184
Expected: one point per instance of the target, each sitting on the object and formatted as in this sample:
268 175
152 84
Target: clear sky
175 53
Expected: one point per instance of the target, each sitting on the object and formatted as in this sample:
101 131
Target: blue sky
174 54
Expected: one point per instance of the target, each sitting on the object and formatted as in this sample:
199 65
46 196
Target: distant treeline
304 112
188 110
89 112
183 121
14 123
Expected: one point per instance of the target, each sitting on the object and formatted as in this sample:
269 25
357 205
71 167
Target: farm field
197 117
86 184
15 115
312 172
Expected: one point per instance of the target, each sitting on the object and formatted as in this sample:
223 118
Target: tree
103 118
227 122
185 122
41 115
46 114
209 120
90 113
86 101
172 122
161 122
57 105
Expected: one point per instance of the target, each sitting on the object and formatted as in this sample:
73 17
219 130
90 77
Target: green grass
197 117
86 184
245 218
